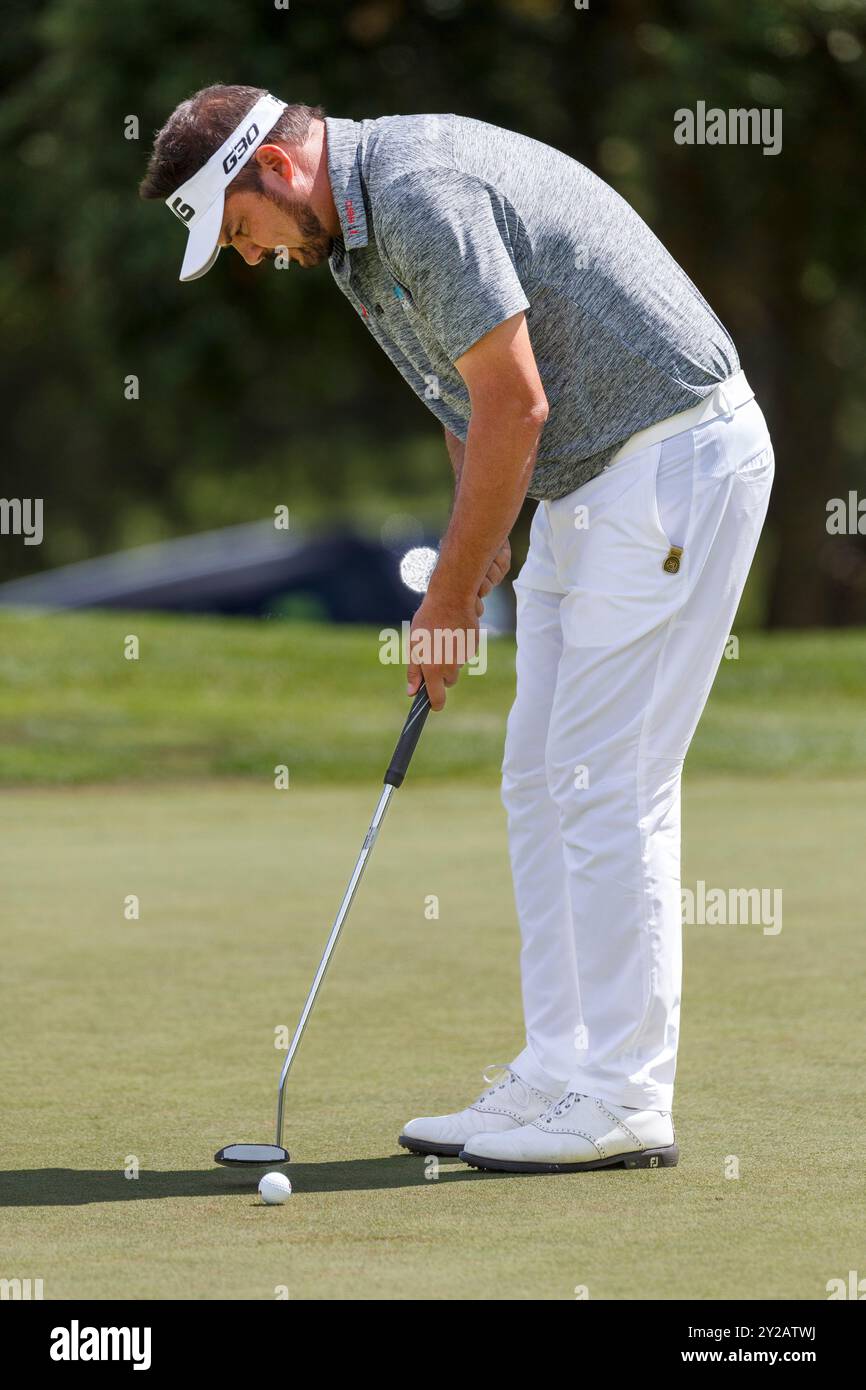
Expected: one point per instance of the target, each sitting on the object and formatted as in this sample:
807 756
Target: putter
269 1154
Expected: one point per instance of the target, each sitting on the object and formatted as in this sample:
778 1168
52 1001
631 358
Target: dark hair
198 127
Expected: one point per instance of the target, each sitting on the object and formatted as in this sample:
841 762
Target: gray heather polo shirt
450 226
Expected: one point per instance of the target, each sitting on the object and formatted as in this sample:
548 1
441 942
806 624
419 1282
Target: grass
153 1041
149 1043
209 698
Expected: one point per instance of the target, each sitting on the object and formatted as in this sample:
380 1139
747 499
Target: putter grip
402 756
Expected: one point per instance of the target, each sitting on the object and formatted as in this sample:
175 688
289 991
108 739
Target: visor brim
202 247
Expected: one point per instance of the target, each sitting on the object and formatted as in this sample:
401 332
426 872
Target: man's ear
275 159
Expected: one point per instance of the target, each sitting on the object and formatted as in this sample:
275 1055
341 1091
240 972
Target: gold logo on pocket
672 563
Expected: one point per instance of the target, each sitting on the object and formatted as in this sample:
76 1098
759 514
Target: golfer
569 359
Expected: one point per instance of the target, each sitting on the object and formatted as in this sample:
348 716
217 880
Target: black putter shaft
397 769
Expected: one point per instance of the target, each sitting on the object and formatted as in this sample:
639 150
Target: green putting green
143 1045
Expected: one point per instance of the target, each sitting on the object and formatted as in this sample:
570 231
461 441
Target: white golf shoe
578 1132
508 1104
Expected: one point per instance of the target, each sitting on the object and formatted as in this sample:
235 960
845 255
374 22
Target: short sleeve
449 240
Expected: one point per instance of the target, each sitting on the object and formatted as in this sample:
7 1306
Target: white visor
200 202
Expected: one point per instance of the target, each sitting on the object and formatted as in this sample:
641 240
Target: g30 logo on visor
240 148
185 211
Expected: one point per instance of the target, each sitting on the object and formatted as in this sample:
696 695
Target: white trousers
616 657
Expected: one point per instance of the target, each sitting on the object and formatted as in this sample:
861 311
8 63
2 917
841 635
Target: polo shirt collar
344 170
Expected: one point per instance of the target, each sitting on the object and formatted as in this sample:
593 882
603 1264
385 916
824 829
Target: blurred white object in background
416 567
418 564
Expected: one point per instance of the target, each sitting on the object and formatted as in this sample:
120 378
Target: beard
316 244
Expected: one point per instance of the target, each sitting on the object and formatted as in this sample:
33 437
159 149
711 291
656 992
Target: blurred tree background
259 389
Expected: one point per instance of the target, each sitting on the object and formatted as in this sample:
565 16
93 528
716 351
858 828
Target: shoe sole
418 1146
646 1158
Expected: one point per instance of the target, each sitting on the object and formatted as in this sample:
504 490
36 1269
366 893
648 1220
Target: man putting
569 358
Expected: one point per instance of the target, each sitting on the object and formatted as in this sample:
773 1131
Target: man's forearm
456 452
492 471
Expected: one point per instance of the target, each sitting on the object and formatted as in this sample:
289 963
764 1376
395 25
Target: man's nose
251 253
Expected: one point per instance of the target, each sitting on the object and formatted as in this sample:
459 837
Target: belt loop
721 403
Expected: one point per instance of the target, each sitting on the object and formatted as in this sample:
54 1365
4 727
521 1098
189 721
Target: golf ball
274 1189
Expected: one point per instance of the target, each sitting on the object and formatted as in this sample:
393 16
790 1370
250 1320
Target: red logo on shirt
350 217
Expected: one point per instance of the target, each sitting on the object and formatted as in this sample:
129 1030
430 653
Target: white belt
722 401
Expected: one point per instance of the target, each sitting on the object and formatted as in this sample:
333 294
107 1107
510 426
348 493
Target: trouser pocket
611 541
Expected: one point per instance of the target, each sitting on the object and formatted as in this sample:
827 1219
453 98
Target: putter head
252 1155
